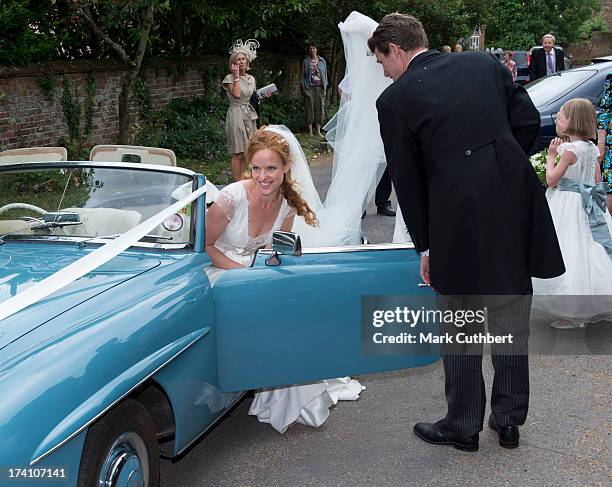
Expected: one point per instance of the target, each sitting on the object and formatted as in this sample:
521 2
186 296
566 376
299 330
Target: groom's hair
404 30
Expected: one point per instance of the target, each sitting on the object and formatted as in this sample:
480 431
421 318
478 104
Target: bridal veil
354 134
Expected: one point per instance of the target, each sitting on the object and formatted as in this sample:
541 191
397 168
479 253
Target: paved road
566 441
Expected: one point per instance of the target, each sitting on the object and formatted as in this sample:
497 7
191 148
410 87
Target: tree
108 20
519 24
37 30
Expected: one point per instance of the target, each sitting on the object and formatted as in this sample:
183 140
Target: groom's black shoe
508 435
436 434
384 209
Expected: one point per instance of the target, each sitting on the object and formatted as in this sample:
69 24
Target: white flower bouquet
538 161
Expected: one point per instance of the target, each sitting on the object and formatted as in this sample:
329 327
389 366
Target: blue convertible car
113 345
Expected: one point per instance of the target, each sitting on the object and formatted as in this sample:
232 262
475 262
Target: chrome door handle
422 284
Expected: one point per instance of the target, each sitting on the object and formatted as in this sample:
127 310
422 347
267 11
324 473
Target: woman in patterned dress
604 136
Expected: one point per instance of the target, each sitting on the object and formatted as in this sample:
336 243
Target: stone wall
32 116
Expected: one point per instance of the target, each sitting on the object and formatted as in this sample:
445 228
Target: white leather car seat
99 222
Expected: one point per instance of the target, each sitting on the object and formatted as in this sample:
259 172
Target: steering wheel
22 206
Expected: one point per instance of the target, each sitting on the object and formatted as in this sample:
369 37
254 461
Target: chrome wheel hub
126 464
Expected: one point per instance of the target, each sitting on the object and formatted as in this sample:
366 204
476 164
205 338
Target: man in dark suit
547 59
382 195
456 149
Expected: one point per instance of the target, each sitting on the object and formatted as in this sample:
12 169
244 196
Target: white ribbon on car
92 261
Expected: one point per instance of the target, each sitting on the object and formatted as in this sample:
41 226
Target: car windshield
91 202
546 90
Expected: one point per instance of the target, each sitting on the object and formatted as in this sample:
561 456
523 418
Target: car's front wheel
121 450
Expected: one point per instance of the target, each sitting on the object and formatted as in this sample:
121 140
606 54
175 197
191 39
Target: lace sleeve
227 202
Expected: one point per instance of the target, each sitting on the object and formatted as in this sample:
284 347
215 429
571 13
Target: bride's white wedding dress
307 404
359 161
358 164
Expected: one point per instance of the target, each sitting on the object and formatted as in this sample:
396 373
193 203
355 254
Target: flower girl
577 201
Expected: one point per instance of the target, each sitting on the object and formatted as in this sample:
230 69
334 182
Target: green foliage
313 146
72 110
282 109
37 30
78 130
518 24
194 130
211 74
177 71
539 163
20 43
77 151
595 24
142 97
199 23
47 85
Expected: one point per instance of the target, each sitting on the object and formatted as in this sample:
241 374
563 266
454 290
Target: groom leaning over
456 130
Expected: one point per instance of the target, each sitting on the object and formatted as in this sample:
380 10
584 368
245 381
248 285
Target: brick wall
599 45
28 118
607 5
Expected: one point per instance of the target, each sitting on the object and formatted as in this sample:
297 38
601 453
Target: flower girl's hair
581 117
266 139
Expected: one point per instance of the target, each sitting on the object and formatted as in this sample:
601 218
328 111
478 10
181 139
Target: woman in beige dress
241 117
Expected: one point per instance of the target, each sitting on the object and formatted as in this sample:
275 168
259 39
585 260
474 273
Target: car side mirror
287 243
284 243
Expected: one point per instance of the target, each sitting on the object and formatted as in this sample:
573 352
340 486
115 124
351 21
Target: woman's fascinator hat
248 48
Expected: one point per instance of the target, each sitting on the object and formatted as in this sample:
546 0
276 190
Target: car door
300 321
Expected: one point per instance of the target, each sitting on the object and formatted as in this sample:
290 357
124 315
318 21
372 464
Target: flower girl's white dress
584 292
281 407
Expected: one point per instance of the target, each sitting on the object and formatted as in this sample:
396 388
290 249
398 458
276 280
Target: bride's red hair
266 139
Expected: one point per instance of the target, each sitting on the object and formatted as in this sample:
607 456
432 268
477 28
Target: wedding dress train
306 404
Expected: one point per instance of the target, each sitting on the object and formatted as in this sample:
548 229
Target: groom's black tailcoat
456 130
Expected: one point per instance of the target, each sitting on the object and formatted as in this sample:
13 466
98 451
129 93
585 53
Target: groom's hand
425 269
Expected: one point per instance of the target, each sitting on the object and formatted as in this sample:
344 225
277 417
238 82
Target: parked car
521 58
137 353
550 92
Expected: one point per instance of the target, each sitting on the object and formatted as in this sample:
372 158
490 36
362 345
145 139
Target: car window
546 90
519 57
91 202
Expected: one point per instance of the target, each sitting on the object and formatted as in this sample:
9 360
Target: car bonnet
23 265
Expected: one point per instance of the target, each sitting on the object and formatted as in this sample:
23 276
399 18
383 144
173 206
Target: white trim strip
91 261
